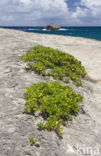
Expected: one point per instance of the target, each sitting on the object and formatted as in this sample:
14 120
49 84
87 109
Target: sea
86 32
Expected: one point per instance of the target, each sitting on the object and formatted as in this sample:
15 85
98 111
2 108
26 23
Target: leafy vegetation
56 102
62 66
34 141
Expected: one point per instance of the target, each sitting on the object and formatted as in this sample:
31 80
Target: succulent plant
57 103
61 64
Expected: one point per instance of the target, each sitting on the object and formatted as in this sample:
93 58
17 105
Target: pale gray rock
37 113
16 127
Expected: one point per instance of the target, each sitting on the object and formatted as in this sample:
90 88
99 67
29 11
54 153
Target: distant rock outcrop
52 27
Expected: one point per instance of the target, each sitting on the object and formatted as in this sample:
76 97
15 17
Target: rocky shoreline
16 127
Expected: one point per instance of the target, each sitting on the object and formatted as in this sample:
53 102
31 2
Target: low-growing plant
62 64
34 141
57 103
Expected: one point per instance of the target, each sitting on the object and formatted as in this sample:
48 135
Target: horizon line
44 26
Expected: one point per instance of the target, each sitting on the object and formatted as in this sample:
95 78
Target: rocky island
52 27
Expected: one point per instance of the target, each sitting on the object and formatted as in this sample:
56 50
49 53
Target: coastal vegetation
56 103
62 66
34 141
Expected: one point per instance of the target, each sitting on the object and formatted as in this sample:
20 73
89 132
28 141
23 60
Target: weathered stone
37 113
16 127
52 27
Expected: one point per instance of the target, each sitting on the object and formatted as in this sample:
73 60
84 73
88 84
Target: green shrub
62 65
56 102
34 141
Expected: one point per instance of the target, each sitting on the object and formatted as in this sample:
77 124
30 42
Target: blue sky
43 12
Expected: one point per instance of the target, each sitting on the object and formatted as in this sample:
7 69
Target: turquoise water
87 32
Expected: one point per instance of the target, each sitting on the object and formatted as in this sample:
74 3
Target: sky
44 12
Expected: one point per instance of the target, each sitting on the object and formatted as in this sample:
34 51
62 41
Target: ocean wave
32 29
63 29
44 29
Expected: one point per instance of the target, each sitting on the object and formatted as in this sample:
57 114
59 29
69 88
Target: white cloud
91 3
42 12
32 12
25 1
94 6
88 12
80 12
